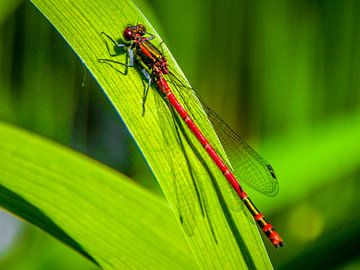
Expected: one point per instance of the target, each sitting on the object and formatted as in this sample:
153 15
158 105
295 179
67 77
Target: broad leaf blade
95 210
218 236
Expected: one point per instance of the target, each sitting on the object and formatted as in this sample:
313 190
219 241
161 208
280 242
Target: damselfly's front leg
129 58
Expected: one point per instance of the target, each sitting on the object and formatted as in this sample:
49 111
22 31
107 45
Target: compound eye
128 34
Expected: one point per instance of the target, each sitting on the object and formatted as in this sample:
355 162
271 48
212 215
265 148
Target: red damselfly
247 165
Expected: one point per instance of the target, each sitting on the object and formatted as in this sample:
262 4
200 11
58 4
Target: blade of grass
219 238
7 7
88 206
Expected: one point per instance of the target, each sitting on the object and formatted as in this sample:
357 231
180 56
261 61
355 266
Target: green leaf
219 237
6 7
88 206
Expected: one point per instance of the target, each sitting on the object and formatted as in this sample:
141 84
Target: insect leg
146 91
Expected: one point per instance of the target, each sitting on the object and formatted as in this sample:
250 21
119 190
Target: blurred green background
284 74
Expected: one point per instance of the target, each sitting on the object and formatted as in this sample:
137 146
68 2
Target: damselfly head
133 31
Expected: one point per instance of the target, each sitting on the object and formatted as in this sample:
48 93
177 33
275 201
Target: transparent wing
247 165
